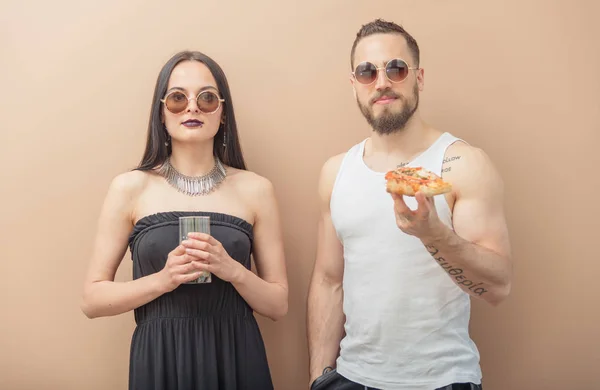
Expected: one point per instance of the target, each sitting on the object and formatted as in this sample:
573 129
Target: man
394 275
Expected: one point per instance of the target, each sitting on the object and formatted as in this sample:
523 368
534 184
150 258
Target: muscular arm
102 296
267 293
325 316
476 254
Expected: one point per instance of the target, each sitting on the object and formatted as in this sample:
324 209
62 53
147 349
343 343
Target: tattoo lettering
402 165
446 169
450 159
456 272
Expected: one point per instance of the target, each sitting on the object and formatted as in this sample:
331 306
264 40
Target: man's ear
421 79
353 85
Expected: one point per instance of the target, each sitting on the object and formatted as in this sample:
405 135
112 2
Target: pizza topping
410 180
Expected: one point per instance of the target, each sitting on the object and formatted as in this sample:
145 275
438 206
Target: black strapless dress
198 336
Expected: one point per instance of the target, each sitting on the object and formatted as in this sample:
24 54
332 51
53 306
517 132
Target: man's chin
385 114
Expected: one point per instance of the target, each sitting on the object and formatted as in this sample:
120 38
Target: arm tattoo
456 273
446 160
450 159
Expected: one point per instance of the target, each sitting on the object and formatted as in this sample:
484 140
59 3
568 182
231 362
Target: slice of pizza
410 180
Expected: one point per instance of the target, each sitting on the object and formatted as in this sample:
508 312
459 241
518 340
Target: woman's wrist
159 283
240 274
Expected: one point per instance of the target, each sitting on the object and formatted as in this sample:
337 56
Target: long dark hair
156 152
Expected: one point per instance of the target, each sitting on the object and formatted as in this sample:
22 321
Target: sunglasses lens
176 102
365 73
396 70
208 102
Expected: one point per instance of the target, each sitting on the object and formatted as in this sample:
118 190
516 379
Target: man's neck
404 144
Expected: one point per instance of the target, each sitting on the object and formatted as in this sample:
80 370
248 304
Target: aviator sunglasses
396 70
207 101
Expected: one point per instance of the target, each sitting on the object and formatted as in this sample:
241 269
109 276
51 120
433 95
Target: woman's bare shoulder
130 183
124 191
250 182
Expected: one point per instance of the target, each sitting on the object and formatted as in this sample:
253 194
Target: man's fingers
425 204
422 202
399 204
403 212
401 220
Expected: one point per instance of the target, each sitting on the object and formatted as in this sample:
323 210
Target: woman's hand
180 268
213 257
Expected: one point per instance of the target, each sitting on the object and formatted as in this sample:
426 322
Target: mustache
387 93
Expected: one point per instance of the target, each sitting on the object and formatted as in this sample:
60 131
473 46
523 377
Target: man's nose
382 82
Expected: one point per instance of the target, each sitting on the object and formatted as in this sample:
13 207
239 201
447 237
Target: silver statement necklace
194 185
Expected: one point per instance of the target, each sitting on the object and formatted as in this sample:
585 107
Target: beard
390 122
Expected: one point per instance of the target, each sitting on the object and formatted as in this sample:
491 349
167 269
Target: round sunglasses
207 101
396 71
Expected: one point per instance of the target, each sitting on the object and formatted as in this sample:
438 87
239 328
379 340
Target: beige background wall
517 78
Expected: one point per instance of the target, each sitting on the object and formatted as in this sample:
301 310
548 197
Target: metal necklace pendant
194 185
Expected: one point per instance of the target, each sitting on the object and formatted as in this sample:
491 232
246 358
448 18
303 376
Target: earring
168 135
224 139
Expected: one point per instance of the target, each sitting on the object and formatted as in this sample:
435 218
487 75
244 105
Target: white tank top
406 321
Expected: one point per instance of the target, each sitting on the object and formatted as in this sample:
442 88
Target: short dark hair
380 26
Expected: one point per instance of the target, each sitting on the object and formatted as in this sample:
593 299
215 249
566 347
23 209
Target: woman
191 336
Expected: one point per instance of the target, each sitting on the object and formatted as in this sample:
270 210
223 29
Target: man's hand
423 222
316 376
